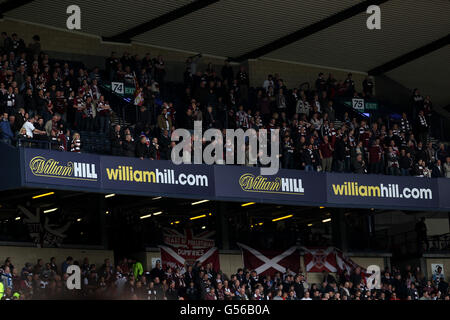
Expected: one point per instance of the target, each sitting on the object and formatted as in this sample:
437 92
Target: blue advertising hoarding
62 168
106 174
116 174
156 177
287 186
382 191
444 193
10 168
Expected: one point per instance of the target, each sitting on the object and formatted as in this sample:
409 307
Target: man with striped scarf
422 127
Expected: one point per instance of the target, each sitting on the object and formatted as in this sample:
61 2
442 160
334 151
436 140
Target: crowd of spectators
40 101
128 280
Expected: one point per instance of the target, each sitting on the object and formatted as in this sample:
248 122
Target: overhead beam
11 5
127 35
309 30
410 56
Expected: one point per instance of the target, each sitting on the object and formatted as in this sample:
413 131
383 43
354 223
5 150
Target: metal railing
407 243
439 243
121 106
35 143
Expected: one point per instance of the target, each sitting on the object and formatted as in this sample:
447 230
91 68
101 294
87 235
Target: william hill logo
252 183
52 168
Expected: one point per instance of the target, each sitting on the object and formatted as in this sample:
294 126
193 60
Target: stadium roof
412 46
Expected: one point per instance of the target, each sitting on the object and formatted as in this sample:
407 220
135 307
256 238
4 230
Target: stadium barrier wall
38 168
10 178
230 262
20 255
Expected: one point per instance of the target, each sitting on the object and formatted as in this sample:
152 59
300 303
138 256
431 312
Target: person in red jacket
326 154
375 157
394 296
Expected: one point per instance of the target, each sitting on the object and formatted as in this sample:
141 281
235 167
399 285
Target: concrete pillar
251 66
448 213
102 221
370 228
423 266
387 263
339 229
222 230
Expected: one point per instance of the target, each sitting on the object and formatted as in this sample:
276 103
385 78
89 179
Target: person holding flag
138 92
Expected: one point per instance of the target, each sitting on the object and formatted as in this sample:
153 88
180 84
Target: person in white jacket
447 168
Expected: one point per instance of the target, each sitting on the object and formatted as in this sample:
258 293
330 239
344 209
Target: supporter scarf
423 121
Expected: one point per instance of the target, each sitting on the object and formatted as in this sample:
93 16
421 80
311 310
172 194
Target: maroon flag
329 259
177 257
269 262
320 259
345 263
181 248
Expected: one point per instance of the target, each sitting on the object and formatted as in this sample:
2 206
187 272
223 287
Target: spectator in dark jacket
420 153
405 162
144 119
171 293
298 287
6 134
308 158
441 154
422 127
340 153
164 146
188 120
437 171
154 149
359 165
210 118
128 146
192 291
116 141
142 149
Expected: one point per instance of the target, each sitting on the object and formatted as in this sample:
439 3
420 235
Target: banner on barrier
380 190
287 185
117 173
158 176
62 168
231 183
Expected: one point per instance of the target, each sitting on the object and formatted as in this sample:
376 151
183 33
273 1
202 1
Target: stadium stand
128 106
127 280
45 102
61 105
